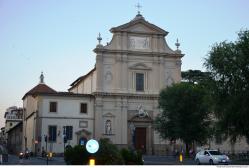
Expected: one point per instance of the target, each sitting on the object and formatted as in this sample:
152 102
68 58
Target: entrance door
140 139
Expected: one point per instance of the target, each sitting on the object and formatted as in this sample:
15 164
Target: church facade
129 74
117 99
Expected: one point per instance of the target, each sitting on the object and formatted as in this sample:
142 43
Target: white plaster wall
68 114
30 132
58 146
67 106
30 106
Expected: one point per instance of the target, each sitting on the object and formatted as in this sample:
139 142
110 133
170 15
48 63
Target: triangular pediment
140 66
139 25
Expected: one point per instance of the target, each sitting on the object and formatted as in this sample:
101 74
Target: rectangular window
83 108
68 131
139 82
52 132
53 106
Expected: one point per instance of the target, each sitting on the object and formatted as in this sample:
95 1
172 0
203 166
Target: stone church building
129 74
117 99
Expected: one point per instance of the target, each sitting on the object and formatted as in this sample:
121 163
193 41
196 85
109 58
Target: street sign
92 146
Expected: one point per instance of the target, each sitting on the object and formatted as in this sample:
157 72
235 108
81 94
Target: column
99 70
98 121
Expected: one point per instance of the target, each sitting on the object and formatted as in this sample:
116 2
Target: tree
77 155
228 63
195 76
108 153
185 114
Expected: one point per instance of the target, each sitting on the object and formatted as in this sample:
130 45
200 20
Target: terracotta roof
40 88
81 78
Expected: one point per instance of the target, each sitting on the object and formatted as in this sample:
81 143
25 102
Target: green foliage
108 154
77 155
228 63
132 157
195 76
185 113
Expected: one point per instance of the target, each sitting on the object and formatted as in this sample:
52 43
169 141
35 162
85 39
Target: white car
211 157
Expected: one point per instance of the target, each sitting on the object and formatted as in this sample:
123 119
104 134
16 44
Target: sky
58 36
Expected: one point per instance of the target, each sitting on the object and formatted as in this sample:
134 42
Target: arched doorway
82 136
82 141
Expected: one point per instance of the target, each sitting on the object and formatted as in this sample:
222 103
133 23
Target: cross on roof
138 7
99 38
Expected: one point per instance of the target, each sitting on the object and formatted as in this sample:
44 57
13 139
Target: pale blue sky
58 36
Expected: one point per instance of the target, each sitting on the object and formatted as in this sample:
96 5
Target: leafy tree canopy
228 63
195 76
185 113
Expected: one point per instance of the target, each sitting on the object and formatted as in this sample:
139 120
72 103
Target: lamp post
46 140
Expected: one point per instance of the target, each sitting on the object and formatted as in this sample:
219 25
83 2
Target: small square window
83 108
53 107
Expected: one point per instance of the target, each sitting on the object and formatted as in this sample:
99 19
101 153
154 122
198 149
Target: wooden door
140 139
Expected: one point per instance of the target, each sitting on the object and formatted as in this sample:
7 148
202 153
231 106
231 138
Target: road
14 160
166 160
148 160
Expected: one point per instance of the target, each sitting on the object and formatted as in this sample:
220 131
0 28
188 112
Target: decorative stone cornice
130 52
128 95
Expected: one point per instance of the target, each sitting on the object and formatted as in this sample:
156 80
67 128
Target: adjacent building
15 135
2 136
13 116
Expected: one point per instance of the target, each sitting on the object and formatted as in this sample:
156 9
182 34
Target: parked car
211 157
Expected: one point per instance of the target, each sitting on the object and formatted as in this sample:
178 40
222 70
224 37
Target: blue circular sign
92 146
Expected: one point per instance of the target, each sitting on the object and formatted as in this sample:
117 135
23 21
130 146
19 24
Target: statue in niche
108 127
141 112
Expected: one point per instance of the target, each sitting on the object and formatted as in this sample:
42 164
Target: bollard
180 157
50 154
92 162
1 159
